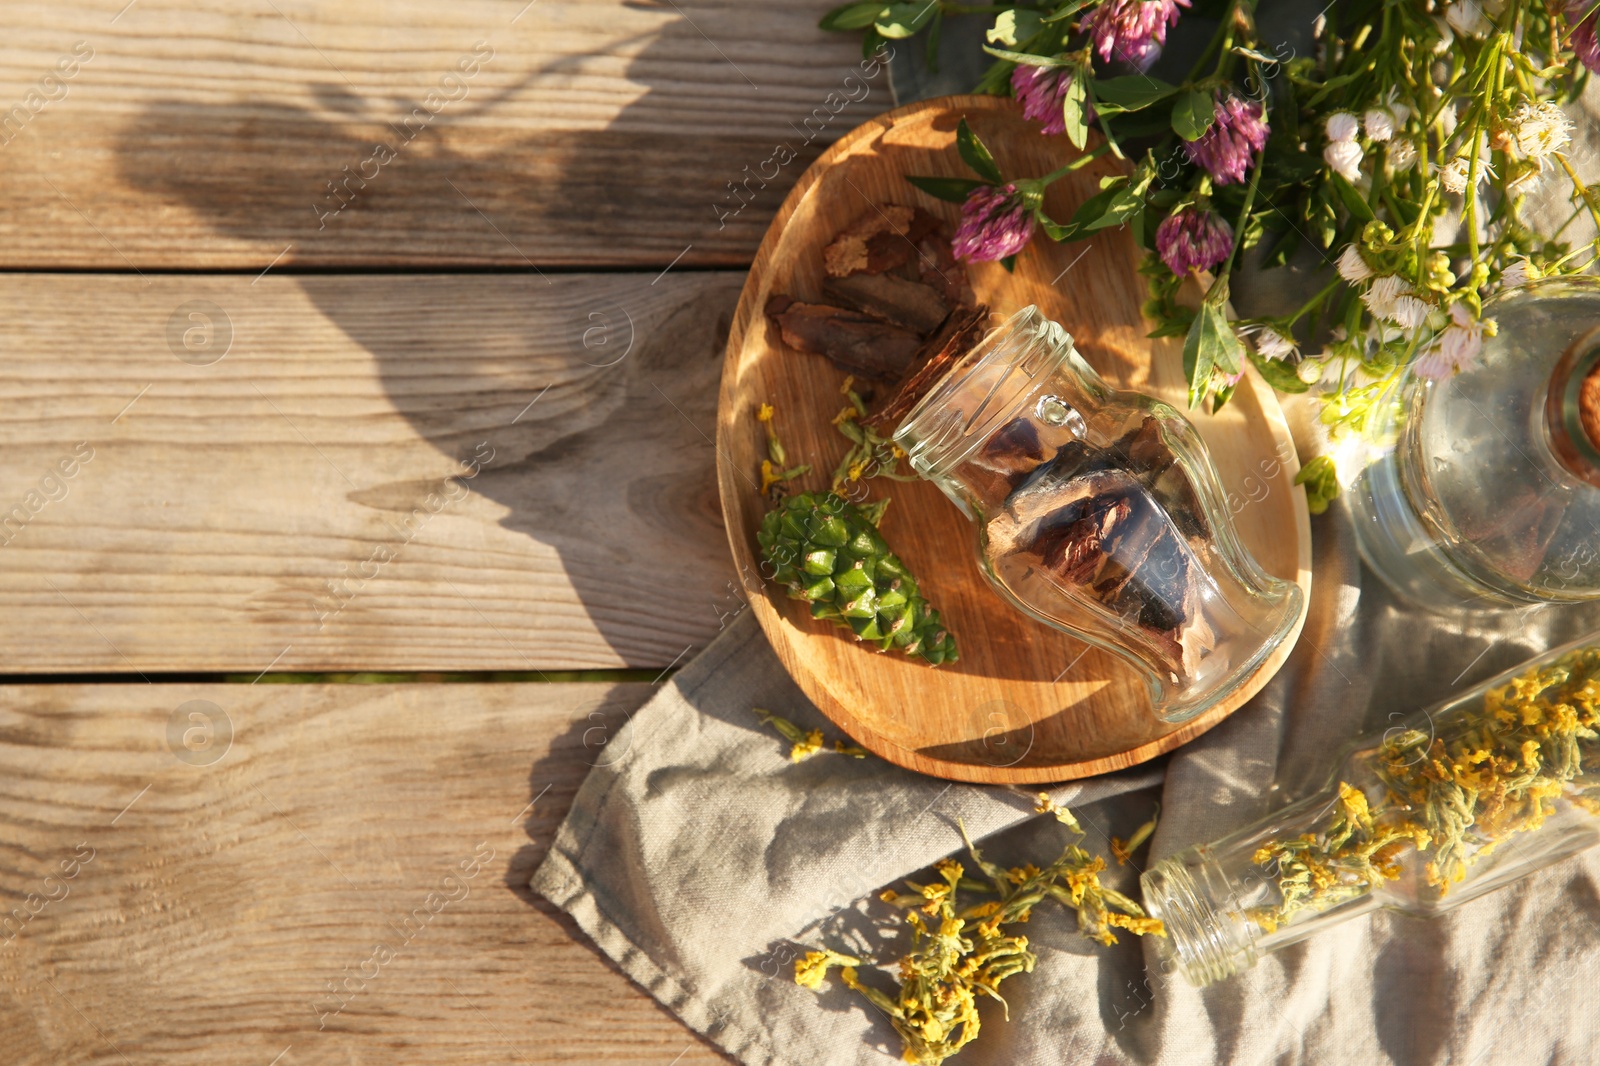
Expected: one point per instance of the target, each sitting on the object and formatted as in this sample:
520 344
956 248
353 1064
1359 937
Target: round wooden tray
1026 703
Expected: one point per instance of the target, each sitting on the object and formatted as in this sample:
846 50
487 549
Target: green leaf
953 190
1198 359
1067 10
871 44
898 21
1010 263
853 16
1353 200
976 155
1277 373
1211 343
1321 479
1074 111
1135 92
1027 59
1193 114
1013 26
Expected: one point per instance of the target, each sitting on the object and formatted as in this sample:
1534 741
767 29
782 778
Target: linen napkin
704 861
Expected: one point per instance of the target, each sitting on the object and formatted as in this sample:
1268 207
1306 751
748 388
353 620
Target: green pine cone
827 551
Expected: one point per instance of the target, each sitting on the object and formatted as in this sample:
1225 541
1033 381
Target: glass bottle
1457 800
1491 494
1099 513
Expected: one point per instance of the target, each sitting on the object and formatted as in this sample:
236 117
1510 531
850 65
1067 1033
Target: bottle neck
1572 408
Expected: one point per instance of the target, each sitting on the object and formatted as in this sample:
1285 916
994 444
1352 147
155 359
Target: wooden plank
301 504
581 131
169 910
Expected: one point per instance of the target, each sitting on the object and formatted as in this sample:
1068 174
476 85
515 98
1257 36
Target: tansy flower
1352 266
1131 30
1193 238
1581 16
1454 349
1041 91
1228 147
995 223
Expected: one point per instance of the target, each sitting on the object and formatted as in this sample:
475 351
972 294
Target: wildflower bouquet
1402 151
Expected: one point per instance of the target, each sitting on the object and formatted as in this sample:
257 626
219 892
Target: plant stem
1077 164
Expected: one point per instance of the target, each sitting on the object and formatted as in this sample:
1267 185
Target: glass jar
1455 801
1099 513
1491 494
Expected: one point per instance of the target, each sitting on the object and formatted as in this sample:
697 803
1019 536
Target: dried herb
1494 770
959 948
870 455
806 743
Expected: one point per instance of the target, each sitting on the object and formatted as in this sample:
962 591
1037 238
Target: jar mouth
983 388
1198 941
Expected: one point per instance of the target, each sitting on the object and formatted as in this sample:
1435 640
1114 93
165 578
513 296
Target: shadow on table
614 467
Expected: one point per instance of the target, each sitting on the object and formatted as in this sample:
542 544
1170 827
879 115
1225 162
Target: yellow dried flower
764 413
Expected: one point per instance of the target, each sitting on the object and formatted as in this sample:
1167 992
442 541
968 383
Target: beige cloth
703 862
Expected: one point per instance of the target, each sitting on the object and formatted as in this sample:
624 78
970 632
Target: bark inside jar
1119 525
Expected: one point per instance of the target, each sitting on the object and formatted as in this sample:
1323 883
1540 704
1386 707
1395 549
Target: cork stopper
1589 406
1572 408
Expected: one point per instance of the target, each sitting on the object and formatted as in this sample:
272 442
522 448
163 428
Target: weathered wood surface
275 508
174 911
499 132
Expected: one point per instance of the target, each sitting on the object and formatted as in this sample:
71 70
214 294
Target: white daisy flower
1467 19
1409 312
1342 126
1453 175
1454 349
1384 292
1518 273
1344 159
1402 154
1272 344
1540 130
1379 123
1352 266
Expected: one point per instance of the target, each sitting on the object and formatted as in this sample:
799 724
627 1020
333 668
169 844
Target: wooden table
347 338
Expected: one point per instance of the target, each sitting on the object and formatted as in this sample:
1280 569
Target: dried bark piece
1012 453
953 340
856 342
938 268
907 304
876 242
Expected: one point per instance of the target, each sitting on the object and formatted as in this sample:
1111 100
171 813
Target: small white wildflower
1467 18
1518 273
1381 296
1273 345
1309 371
1344 159
1454 349
1447 120
1352 266
1453 175
1402 155
1342 126
1409 312
1447 37
1401 113
1540 130
1379 123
